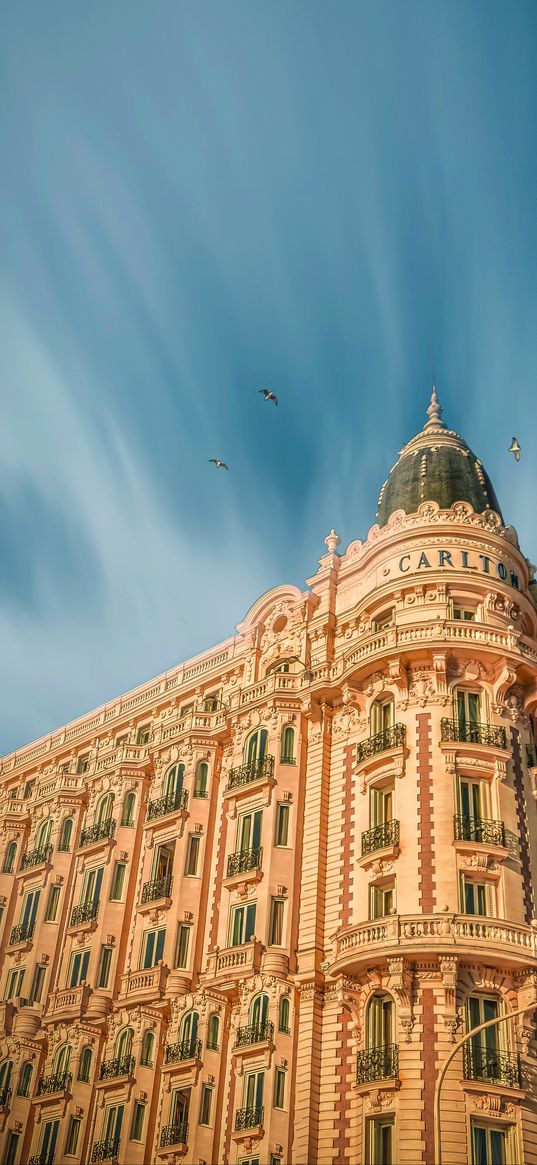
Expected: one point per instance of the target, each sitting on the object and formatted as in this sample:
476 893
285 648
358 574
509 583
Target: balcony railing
380 1063
476 829
84 912
183 1050
380 837
56 1082
252 771
393 737
21 933
249 1118
159 888
5 1096
174 1135
41 1159
491 734
98 832
255 1033
531 756
35 857
104 1150
167 804
244 860
488 1064
119 1066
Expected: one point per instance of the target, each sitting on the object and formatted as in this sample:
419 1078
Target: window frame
389 886
116 896
53 900
156 931
193 846
279 1088
206 1091
138 1113
105 965
277 915
235 910
73 1129
81 977
283 810
184 928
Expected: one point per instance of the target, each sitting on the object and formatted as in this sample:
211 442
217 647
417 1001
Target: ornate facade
248 908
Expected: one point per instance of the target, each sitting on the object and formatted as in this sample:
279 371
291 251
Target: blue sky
334 200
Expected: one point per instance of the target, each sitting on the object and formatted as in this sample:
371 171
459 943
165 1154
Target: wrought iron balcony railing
98 832
476 829
167 804
84 912
491 734
56 1082
255 1033
174 1135
252 771
21 933
249 1118
380 837
41 1159
104 1150
393 737
183 1050
381 1063
35 857
159 888
244 860
5 1097
119 1066
488 1064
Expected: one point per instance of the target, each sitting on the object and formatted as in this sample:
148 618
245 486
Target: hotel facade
248 909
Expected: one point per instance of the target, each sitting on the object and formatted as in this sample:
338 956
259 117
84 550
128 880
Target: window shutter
490 900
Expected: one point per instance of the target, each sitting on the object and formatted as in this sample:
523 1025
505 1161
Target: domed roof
436 466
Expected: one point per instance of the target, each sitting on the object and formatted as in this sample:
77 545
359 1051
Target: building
248 908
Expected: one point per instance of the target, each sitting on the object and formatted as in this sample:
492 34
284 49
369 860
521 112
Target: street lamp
440 1078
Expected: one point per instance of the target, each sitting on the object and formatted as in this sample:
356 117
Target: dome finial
435 410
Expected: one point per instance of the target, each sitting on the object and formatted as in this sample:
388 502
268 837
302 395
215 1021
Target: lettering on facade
457 560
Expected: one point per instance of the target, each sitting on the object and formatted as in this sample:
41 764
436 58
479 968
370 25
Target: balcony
85 912
104 1150
174 1135
185 1050
489 734
56 1082
147 985
247 1037
385 836
70 1003
228 964
21 933
381 1063
120 1066
244 861
490 833
36 857
249 1118
492 1066
159 888
101 831
170 803
41 1159
393 737
259 770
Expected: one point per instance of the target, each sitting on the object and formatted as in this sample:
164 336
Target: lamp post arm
440 1078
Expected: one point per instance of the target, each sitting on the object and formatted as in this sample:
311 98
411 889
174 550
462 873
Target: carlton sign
435 559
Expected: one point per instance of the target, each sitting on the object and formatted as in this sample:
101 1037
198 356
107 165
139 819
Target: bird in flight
268 395
515 448
218 464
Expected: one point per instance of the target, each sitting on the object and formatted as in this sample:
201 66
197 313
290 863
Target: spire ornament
435 410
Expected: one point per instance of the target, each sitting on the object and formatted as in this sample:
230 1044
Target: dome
436 466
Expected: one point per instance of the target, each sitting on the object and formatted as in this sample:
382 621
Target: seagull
218 464
515 448
268 395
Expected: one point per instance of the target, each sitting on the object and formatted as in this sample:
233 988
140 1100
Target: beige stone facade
248 908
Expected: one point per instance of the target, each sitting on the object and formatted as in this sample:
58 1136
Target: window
14 793
10 1151
482 1056
103 812
464 614
42 837
123 1044
382 899
277 908
6 1072
52 904
184 710
143 736
138 1116
64 843
14 983
200 784
213 1033
242 925
256 747
259 1013
382 716
380 806
9 858
78 969
249 831
129 808
25 1080
381 1141
47 1143
253 1089
274 1160
91 886
123 739
287 755
279 1088
38 981
105 964
71 1140
249 1161
183 939
478 897
113 1119
205 1106
473 800
467 708
192 853
30 904
173 782
62 1060
380 1025
147 1054
282 823
118 881
382 621
28 789
82 764
152 947
180 1106
284 1014
210 703
490 1144
84 1069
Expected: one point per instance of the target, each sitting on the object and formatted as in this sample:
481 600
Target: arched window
25 1079
213 1033
288 745
129 809
200 784
10 858
104 808
256 746
173 781
62 1060
382 716
380 1025
188 1033
6 1070
148 1049
42 837
258 1016
124 1040
65 836
284 1014
84 1067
